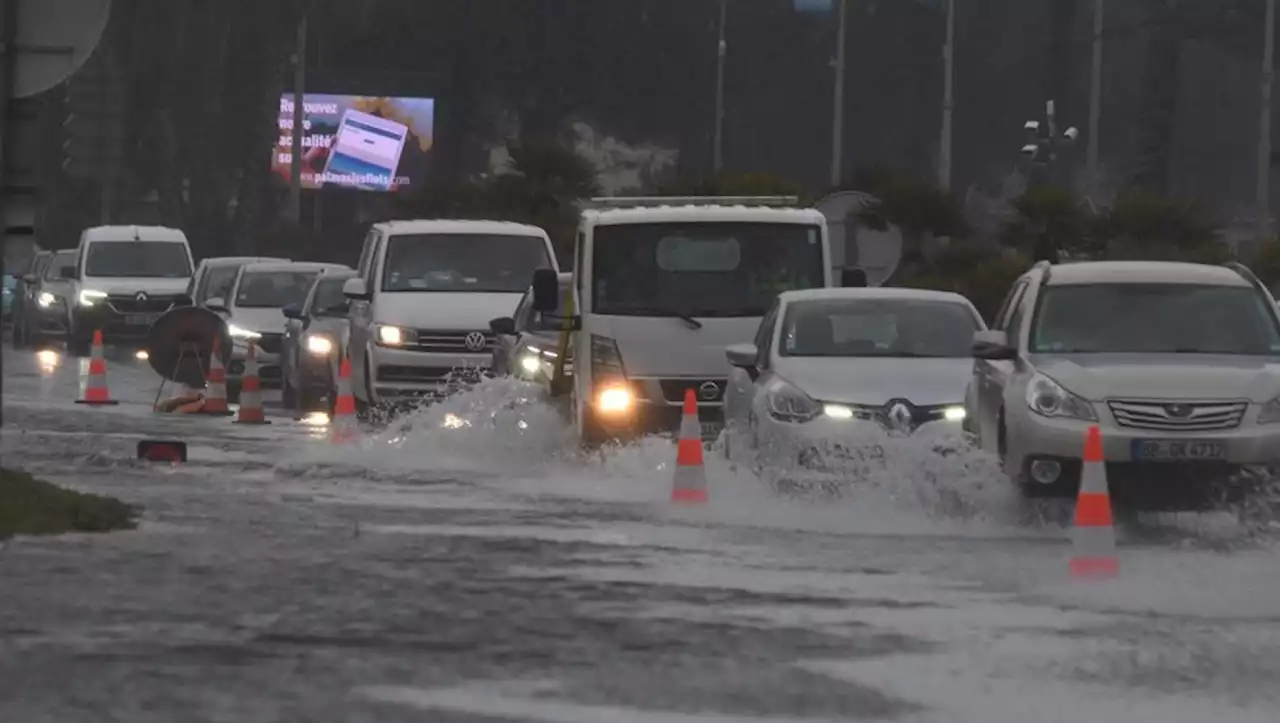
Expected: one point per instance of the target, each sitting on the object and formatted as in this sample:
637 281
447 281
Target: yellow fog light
615 400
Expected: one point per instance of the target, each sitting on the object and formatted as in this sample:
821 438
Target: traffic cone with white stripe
251 391
343 422
689 483
1094 536
215 398
96 393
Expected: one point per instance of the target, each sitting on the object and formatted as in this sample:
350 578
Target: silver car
1177 363
527 344
315 336
833 371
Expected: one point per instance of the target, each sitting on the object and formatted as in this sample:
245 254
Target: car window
1013 325
53 270
764 337
1154 318
273 289
328 298
1007 306
217 282
523 312
41 264
878 328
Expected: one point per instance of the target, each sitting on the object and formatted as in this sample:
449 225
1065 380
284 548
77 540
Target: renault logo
900 417
475 341
142 296
708 391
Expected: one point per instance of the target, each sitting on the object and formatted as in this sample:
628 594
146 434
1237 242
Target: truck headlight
1049 399
319 345
238 332
89 297
395 335
615 401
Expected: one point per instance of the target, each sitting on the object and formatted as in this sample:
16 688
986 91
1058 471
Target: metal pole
948 97
299 115
1095 97
1263 219
837 111
717 162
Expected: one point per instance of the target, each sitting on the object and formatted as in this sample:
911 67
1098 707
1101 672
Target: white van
421 305
662 286
125 277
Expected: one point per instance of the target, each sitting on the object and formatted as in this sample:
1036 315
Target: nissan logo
474 341
708 391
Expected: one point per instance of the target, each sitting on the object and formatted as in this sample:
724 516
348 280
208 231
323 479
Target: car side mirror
503 326
217 304
30 279
853 278
68 273
356 289
292 311
546 290
993 346
743 356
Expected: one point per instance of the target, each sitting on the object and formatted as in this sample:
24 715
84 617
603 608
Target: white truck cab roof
458 226
710 213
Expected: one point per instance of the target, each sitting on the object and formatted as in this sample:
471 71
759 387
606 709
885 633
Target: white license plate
140 319
711 430
1172 450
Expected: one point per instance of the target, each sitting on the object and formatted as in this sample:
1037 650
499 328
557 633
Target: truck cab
660 287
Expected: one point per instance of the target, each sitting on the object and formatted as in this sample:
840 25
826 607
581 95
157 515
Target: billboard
366 143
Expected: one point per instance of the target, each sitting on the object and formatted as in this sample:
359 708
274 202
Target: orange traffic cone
96 393
215 400
343 423
689 483
251 391
1094 536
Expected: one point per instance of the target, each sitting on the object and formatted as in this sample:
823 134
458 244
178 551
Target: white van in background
423 298
125 277
662 286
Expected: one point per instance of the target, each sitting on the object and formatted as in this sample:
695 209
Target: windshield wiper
658 310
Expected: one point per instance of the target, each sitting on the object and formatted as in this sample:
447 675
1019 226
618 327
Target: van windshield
138 259
495 263
702 268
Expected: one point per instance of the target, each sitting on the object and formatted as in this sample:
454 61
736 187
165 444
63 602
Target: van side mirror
853 278
743 356
503 326
546 290
993 346
356 289
68 273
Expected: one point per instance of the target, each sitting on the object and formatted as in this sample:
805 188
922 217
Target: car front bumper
845 447
402 374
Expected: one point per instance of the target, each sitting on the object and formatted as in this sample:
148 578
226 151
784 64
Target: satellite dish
180 344
55 38
855 245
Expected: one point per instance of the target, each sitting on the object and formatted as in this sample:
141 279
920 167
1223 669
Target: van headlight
239 332
395 335
319 345
89 297
1049 399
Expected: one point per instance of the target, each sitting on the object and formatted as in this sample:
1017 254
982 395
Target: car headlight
786 403
837 411
1049 399
45 300
238 332
319 345
1270 412
954 413
395 335
615 400
531 363
89 297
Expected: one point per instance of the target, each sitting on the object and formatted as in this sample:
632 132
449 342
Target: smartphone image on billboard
365 153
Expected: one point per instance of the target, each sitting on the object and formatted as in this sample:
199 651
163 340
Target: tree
1145 225
732 184
1050 223
921 210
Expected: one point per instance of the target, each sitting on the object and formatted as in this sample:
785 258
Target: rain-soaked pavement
460 565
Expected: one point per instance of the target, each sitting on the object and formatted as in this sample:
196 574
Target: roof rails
654 201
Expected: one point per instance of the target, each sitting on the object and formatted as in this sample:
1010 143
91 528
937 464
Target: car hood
131 285
443 311
1097 377
263 321
874 381
667 347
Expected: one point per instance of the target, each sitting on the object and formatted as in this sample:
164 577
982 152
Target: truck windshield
138 259
495 263
702 268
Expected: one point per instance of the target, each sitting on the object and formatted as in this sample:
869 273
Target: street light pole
948 97
837 112
717 162
1095 97
1263 209
299 117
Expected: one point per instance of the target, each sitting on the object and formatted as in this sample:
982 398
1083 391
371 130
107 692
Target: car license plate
141 319
1171 450
711 430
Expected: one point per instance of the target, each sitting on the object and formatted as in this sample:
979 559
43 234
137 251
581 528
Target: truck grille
451 342
673 389
125 304
1178 416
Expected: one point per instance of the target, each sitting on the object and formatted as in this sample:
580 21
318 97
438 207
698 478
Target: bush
29 506
976 272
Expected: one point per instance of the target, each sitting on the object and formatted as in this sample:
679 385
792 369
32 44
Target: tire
308 399
233 392
78 345
288 397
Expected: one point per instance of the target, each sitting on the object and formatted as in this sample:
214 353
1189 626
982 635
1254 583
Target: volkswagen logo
142 296
1178 410
474 341
708 391
900 416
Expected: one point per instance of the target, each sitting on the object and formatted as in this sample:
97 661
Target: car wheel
288 397
233 392
308 399
78 345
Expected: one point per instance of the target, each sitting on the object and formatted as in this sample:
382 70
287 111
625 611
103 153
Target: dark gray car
528 343
314 336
